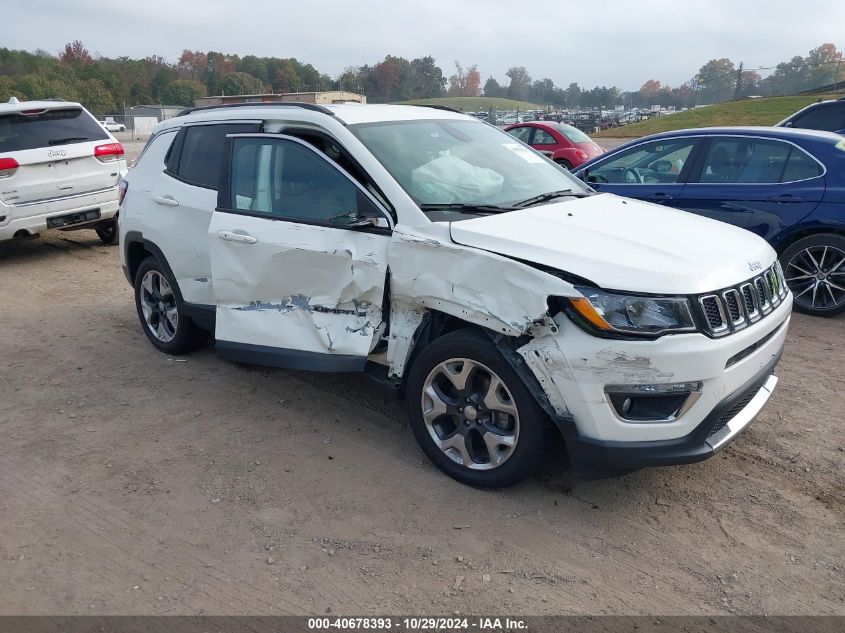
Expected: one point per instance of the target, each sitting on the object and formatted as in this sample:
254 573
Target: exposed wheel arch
791 238
437 324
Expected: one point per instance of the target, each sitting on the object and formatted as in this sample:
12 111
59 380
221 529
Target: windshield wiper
469 208
69 139
545 197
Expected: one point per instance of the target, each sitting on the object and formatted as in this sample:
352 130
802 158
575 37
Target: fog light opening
652 403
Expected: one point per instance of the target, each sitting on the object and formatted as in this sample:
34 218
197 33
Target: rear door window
200 152
742 160
48 128
828 116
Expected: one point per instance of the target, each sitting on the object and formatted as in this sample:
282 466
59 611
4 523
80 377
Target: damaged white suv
501 297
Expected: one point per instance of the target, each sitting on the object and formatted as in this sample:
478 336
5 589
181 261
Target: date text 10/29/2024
495 624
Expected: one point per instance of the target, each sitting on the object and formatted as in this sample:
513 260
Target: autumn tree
472 87
385 77
75 54
650 92
192 64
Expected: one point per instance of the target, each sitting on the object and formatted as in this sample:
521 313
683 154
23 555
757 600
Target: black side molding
289 358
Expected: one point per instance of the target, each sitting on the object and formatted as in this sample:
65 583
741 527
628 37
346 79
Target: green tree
95 97
520 82
493 89
184 92
716 80
241 84
8 90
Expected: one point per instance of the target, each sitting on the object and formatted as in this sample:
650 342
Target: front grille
735 308
738 406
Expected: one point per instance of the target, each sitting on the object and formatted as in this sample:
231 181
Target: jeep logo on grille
755 265
56 152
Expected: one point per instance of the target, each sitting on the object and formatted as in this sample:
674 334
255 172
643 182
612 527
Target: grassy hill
476 104
765 111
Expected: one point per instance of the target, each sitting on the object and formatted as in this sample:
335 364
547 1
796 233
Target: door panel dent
299 287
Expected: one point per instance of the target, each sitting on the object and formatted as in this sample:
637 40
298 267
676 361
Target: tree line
106 85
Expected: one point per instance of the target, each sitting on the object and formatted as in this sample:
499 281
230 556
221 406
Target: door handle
661 197
786 198
167 201
231 236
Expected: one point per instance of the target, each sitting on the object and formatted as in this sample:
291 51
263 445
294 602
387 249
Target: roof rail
435 106
285 104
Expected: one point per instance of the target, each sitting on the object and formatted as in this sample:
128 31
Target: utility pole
738 89
836 76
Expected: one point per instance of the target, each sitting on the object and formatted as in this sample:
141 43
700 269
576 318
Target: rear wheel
472 414
161 312
108 232
814 268
564 163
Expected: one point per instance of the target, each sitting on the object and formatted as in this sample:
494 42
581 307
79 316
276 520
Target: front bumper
574 370
725 422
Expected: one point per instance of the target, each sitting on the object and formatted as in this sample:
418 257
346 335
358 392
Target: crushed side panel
430 272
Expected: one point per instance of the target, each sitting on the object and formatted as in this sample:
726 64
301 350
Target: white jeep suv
59 169
502 298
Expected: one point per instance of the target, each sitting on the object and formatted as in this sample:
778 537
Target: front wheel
472 414
814 268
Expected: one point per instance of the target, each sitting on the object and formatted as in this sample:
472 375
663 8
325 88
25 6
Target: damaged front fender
430 272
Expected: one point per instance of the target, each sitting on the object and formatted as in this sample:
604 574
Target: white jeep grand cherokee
500 296
59 169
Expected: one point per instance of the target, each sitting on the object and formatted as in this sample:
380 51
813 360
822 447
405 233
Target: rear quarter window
48 128
201 152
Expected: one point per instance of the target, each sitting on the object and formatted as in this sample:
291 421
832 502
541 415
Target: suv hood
623 244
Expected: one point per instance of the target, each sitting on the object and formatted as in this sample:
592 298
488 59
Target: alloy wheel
470 414
158 304
816 277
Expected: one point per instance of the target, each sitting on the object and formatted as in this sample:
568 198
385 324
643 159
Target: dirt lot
136 483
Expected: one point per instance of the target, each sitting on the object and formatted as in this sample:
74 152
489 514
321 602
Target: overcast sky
592 42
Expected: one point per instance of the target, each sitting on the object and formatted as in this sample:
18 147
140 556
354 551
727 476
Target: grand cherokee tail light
108 152
8 166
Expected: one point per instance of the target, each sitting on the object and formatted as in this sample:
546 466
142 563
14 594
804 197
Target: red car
564 144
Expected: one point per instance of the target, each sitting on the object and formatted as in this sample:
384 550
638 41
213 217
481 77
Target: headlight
618 313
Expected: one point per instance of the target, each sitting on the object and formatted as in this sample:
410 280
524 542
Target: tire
814 268
108 233
564 163
158 308
462 429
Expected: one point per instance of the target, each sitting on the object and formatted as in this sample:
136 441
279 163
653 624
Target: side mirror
788 124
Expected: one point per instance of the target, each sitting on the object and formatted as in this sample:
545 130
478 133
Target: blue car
786 185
